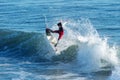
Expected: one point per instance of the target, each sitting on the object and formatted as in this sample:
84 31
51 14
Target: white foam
92 48
93 51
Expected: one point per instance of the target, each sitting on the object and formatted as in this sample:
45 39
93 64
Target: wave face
28 45
20 44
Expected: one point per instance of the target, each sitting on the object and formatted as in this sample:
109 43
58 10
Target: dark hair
59 24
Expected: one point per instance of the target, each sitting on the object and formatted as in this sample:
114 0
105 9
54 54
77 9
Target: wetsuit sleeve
56 31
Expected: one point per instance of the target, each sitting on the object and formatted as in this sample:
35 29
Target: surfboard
52 40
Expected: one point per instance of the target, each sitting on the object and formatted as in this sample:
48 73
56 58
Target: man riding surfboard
60 31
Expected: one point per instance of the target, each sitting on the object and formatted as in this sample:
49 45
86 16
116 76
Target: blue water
89 49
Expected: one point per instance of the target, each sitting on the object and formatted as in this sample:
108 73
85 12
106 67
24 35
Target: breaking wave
81 45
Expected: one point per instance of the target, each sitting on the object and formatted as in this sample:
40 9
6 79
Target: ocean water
89 49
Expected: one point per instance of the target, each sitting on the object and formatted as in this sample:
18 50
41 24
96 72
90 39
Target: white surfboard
52 40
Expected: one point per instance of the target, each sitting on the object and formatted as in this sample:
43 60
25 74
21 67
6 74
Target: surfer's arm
56 31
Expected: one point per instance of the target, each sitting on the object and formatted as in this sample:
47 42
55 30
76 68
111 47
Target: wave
27 45
81 45
21 44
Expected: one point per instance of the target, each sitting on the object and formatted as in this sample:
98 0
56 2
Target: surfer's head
59 24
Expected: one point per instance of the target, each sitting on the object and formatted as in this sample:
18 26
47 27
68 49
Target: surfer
60 31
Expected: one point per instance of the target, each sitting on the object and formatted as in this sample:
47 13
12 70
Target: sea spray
93 52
